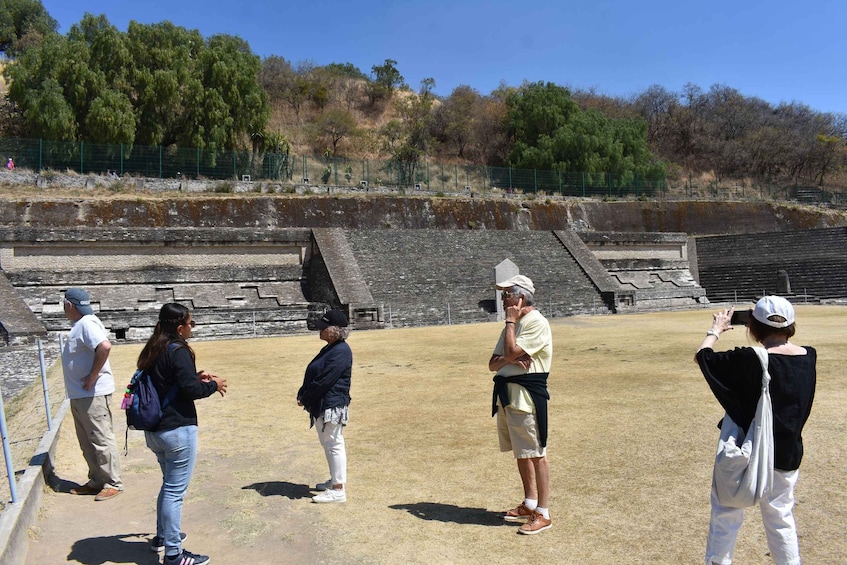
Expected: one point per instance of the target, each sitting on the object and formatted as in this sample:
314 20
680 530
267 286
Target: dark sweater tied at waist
536 385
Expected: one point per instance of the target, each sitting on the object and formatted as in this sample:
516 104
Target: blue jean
176 450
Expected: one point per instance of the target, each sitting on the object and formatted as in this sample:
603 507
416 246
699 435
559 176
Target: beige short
518 433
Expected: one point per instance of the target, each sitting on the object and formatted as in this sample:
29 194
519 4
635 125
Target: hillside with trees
165 85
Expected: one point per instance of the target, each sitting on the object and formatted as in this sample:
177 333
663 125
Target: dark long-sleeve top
175 367
735 378
326 383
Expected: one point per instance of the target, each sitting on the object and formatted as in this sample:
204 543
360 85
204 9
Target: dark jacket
536 385
175 367
735 378
326 383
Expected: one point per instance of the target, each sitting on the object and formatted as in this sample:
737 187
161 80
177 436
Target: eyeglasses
507 294
192 323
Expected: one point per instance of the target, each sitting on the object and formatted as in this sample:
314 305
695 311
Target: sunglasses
507 294
192 323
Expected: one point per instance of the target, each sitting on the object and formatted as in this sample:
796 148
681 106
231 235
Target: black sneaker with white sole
186 558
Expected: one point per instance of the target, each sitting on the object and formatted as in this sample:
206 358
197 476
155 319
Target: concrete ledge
17 518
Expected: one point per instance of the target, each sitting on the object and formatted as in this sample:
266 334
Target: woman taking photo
169 360
735 378
325 394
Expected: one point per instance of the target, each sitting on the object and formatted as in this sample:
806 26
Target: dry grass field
632 437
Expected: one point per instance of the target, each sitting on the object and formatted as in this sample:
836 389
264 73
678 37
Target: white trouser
777 516
332 439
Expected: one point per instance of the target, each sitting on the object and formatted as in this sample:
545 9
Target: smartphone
740 317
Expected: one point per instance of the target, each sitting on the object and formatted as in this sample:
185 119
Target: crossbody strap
762 353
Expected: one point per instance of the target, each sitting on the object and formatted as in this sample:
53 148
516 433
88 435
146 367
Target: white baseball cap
517 280
768 306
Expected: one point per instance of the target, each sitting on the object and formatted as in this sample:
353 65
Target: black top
735 378
326 383
175 366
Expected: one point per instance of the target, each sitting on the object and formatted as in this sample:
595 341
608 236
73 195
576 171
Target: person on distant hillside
735 378
90 384
10 164
521 360
169 361
325 394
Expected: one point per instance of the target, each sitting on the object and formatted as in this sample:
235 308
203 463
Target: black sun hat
332 318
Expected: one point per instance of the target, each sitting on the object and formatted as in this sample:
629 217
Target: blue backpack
141 401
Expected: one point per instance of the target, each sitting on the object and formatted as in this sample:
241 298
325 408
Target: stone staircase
744 267
432 277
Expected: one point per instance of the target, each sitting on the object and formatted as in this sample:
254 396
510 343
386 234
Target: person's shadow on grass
452 513
122 548
292 491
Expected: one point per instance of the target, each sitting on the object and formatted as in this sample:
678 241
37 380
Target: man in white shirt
521 360
89 384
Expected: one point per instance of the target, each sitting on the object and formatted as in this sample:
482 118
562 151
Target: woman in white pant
325 394
735 378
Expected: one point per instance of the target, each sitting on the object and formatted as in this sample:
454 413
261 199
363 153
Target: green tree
36 87
157 84
386 79
233 97
23 24
551 132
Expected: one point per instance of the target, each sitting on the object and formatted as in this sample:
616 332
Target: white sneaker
331 495
326 485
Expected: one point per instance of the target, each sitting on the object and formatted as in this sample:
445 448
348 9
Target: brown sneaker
536 523
106 494
85 490
518 513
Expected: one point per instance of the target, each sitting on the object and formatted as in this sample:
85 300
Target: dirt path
76 529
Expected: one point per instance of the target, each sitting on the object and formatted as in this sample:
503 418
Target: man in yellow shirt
521 360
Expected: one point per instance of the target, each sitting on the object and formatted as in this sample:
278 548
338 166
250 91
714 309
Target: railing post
7 453
44 385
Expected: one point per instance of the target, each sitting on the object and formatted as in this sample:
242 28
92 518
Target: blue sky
777 50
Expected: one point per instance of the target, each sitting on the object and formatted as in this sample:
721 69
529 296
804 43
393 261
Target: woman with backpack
169 361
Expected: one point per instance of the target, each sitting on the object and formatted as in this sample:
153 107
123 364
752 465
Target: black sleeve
735 378
185 374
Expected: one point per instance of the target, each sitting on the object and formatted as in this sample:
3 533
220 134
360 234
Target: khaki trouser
93 423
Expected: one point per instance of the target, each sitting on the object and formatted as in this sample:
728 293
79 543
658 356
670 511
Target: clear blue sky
777 50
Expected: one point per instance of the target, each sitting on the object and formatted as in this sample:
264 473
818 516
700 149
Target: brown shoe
536 523
518 513
85 489
106 494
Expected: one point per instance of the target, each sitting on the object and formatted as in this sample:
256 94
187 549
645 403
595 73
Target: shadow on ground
125 548
292 491
58 484
452 513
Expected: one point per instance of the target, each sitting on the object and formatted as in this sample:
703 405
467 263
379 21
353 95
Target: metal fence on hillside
174 162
